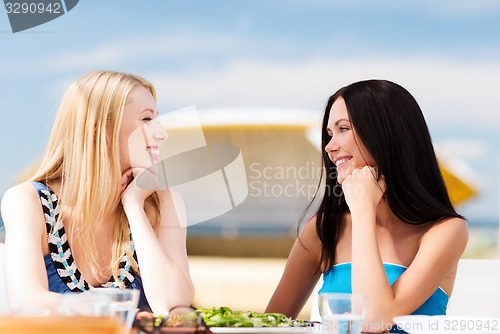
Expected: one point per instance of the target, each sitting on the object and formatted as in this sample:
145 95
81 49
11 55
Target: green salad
225 317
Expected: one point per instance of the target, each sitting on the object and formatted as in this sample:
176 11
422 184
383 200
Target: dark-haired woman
385 227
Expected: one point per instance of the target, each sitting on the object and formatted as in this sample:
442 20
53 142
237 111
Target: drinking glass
342 313
82 304
121 303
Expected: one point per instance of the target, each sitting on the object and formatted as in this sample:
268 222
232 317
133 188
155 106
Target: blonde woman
82 221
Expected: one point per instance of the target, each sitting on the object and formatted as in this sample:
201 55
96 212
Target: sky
261 53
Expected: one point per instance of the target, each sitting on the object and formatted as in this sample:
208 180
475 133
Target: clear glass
121 303
82 304
342 313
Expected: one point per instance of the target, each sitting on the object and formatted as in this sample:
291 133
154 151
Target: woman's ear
381 183
127 177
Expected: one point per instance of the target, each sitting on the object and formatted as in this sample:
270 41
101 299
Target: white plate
263 330
424 324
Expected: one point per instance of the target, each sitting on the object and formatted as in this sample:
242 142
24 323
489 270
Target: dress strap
60 251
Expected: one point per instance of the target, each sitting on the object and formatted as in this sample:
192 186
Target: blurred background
259 74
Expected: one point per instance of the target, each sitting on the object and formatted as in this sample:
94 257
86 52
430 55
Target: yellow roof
458 189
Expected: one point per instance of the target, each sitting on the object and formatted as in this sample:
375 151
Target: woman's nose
331 146
160 133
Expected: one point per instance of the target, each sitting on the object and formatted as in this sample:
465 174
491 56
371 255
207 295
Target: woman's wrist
132 206
363 212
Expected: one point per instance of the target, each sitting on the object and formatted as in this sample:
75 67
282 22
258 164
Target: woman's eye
344 129
147 119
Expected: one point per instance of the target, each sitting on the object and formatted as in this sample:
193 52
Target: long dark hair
390 124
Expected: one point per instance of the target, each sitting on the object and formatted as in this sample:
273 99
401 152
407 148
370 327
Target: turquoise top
338 279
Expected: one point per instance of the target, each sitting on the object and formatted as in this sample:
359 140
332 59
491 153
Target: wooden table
60 325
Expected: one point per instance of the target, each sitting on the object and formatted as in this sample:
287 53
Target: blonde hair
83 156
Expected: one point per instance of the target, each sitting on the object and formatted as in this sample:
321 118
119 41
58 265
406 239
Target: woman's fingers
363 187
138 184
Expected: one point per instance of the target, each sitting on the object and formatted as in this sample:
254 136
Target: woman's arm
300 274
24 269
437 257
162 258
438 254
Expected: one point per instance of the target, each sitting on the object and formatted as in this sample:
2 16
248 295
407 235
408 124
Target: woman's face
140 133
343 149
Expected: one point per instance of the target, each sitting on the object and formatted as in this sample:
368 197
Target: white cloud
98 57
468 149
139 51
447 92
461 155
162 49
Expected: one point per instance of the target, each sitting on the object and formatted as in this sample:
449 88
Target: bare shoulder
22 188
451 231
450 227
20 204
19 195
308 238
308 231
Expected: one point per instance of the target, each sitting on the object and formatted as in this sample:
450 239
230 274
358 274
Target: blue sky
269 54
